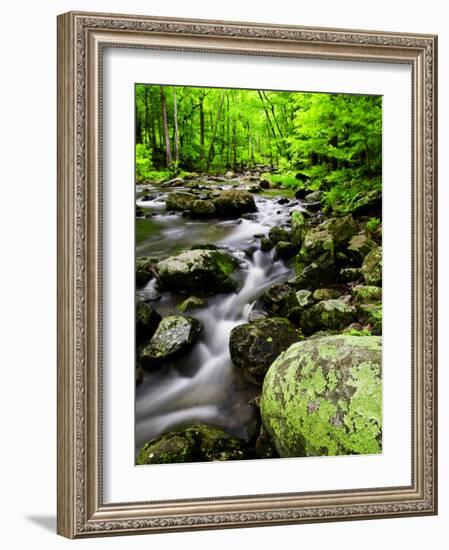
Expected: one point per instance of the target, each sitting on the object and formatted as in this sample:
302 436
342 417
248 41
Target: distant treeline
213 130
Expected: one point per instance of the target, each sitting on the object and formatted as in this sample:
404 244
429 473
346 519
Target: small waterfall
205 386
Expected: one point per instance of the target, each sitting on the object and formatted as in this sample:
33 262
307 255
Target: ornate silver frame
81 37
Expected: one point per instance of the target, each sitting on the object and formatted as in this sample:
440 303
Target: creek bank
273 274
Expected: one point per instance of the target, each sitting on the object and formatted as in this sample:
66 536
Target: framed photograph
246 274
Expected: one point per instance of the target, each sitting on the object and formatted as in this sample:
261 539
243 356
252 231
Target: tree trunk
214 133
202 127
175 125
168 158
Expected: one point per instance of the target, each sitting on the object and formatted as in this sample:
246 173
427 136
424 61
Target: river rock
284 250
326 294
371 314
314 275
315 196
265 244
372 267
194 443
365 294
192 302
296 302
202 270
323 397
277 234
298 221
350 274
202 209
274 298
254 346
147 321
232 203
317 247
342 229
145 269
179 200
173 336
327 315
359 246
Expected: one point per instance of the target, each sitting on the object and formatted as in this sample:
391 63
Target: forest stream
204 386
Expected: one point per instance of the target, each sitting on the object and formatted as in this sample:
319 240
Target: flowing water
204 386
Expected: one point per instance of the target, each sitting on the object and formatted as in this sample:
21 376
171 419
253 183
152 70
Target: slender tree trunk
175 125
270 124
202 127
214 133
138 127
168 157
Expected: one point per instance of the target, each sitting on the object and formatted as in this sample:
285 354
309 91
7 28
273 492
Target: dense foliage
325 141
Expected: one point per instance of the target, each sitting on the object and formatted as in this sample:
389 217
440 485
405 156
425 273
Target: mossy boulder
179 200
265 244
350 274
366 294
202 209
277 234
371 314
284 250
232 203
145 269
174 335
314 275
342 229
359 246
326 294
323 397
296 302
317 247
327 315
147 321
203 270
274 298
254 346
192 302
194 443
372 267
314 196
298 222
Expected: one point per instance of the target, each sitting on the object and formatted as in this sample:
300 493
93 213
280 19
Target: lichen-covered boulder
366 294
145 269
254 346
147 321
327 315
359 246
194 443
232 203
277 234
203 270
372 267
179 200
202 209
323 397
174 335
341 229
298 227
192 302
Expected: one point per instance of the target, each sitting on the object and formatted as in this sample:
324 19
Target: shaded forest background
331 142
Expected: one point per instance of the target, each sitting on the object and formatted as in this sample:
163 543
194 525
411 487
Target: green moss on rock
327 315
324 397
372 267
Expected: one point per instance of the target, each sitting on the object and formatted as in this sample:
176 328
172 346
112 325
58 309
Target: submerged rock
372 267
327 315
174 335
202 270
194 443
254 346
323 397
232 203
